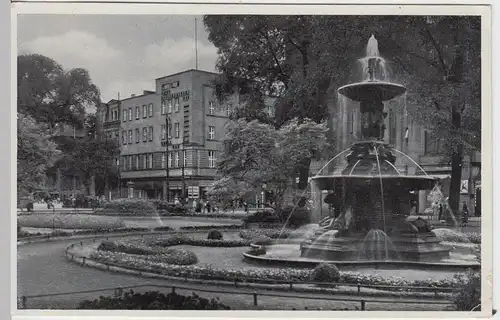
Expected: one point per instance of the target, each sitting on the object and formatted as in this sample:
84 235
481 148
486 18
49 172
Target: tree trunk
456 166
303 171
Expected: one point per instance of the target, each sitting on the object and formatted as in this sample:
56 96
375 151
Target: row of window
147 111
145 161
147 133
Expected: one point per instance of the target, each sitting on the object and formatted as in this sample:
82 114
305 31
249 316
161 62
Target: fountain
371 196
370 225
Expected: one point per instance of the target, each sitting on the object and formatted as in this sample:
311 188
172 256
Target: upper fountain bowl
372 91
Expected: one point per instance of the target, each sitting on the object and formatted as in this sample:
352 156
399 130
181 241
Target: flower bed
129 207
60 233
271 233
261 275
449 235
180 239
70 221
210 227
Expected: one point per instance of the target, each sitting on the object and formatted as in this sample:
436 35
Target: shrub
325 273
107 246
467 294
130 207
152 300
265 216
296 216
261 240
215 235
271 233
258 251
176 256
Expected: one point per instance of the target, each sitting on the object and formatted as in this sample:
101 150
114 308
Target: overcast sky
122 53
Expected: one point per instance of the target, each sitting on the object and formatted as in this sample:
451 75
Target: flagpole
196 42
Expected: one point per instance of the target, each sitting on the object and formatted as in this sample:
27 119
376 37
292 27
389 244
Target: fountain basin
372 91
327 182
288 255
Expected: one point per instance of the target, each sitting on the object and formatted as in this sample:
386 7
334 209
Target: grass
69 221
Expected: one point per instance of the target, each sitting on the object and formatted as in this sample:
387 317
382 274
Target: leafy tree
257 154
439 59
52 95
35 153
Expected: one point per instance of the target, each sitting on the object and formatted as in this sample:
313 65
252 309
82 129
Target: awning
441 176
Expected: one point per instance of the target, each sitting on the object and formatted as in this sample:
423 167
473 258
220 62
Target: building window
137 135
144 134
170 159
211 132
124 164
150 110
163 132
163 160
137 112
185 158
211 107
136 162
130 137
124 137
144 161
163 107
177 130
150 133
177 159
229 109
150 161
129 114
176 105
124 115
169 106
129 162
211 159
169 130
144 111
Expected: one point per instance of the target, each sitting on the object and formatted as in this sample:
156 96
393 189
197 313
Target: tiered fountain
371 195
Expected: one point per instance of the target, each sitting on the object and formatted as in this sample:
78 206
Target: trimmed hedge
261 240
271 233
265 216
179 239
215 235
325 273
129 207
175 256
69 221
153 300
295 216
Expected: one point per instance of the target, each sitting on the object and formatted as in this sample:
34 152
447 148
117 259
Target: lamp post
167 177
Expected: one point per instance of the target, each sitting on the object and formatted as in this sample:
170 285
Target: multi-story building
183 115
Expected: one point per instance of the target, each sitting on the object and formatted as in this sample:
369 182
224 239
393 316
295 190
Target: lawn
69 221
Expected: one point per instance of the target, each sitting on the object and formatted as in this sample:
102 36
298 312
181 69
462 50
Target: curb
85 261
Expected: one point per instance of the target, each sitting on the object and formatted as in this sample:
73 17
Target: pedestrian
195 206
440 217
465 214
202 205
245 205
208 207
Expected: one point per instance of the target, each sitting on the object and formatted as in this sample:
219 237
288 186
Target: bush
107 246
264 216
179 239
262 240
325 273
467 294
215 235
176 256
130 207
153 300
271 233
295 216
258 251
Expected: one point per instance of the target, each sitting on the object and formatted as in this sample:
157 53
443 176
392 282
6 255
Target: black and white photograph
245 161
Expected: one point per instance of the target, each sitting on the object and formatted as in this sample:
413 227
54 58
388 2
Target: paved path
43 269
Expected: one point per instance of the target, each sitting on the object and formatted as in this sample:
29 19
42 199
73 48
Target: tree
257 154
440 61
35 153
52 95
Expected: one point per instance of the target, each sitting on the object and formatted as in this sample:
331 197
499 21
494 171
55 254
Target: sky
123 54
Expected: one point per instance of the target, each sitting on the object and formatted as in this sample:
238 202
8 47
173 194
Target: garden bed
70 221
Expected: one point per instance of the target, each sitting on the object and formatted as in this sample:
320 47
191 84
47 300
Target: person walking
465 214
440 217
